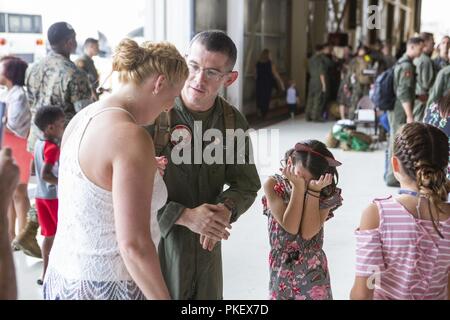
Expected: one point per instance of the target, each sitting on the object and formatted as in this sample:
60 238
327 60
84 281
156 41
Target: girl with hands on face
297 203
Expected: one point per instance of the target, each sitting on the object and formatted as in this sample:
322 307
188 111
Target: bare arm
47 174
407 106
9 178
313 217
448 287
288 216
369 221
277 76
324 82
132 188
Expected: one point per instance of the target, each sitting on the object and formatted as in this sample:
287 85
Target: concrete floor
245 253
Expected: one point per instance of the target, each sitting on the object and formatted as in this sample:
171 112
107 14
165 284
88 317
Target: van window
23 23
2 22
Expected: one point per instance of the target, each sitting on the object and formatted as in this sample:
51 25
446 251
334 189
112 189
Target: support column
155 20
235 30
319 24
179 23
169 20
299 38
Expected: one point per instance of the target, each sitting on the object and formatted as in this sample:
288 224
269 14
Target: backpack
383 94
163 124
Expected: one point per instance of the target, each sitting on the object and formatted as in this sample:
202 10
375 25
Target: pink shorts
47 211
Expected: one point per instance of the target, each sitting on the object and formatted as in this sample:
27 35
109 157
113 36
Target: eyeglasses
211 74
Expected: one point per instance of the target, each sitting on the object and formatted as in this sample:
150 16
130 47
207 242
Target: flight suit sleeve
405 91
79 90
425 72
168 216
242 179
322 67
437 90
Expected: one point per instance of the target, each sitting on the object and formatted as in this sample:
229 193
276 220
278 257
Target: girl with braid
403 242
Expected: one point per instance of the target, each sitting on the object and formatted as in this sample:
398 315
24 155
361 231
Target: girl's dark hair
315 164
444 104
46 116
14 69
423 152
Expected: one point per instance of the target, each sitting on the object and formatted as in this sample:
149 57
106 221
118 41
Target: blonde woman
103 247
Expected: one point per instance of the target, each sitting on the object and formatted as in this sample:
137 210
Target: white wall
168 20
235 26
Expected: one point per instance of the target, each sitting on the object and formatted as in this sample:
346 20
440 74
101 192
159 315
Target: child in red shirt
50 120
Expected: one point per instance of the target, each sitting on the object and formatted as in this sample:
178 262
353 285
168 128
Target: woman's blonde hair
136 62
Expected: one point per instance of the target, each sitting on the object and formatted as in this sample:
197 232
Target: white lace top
85 262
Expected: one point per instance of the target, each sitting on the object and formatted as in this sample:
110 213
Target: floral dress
298 267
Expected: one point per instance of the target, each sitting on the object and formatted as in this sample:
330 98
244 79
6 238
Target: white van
21 35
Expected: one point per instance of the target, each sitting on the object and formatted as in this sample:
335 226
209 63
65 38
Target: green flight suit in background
425 76
404 88
440 87
86 64
190 271
316 100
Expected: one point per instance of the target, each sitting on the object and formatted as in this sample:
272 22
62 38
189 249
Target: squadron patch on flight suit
180 134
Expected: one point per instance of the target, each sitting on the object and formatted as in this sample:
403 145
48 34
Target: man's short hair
59 32
415 41
426 36
46 116
90 41
217 41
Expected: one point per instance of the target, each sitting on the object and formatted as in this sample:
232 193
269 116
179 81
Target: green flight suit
404 88
440 87
316 100
191 272
86 64
425 76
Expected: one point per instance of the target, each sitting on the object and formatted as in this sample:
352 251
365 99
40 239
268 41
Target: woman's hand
318 185
296 179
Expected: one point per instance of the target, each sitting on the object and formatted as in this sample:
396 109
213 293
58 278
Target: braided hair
422 149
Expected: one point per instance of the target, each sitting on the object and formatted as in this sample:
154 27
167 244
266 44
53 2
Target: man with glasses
199 212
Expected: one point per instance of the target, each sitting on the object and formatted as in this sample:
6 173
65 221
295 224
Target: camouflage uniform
360 83
424 81
404 88
56 81
86 64
191 272
440 87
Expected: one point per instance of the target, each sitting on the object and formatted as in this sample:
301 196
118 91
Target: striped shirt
404 257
